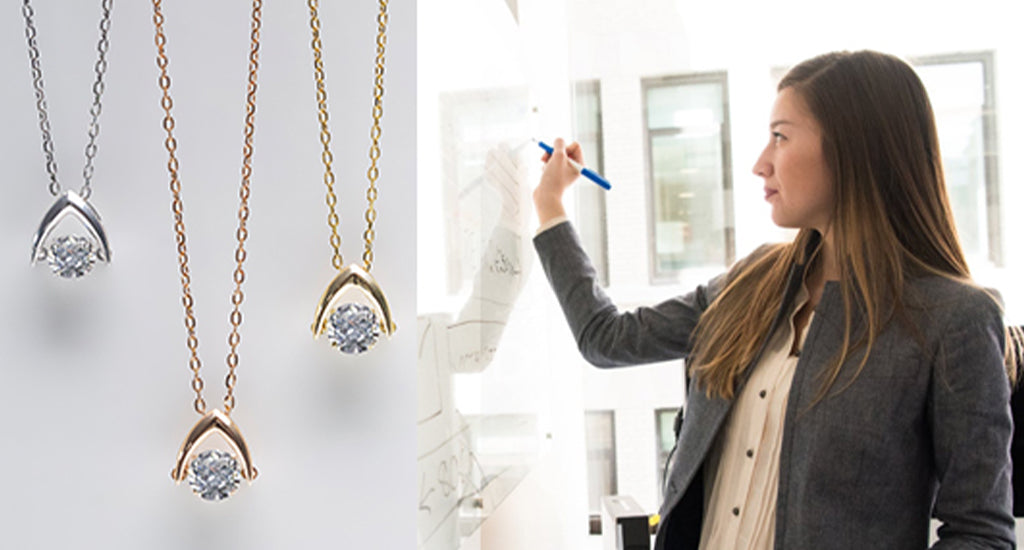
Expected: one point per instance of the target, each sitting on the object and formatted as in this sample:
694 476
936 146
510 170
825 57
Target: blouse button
763 393
750 453
735 511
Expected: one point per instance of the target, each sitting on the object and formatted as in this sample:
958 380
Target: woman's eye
777 137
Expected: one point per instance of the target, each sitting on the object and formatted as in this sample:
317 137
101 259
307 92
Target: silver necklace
70 255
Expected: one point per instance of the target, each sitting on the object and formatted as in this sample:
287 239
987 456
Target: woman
848 386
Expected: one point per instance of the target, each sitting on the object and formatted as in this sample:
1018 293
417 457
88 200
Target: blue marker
585 172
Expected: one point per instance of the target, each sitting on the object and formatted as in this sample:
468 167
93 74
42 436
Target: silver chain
97 93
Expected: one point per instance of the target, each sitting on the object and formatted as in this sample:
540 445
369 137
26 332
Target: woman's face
797 182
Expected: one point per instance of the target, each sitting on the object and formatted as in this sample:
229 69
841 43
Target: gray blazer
921 432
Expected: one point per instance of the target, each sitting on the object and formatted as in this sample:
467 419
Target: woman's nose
763 167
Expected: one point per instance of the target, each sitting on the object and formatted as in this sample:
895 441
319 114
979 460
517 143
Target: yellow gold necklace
213 473
352 326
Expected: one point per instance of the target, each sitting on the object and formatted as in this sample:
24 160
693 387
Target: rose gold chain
177 207
375 133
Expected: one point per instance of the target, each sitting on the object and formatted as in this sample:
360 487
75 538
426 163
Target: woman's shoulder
950 297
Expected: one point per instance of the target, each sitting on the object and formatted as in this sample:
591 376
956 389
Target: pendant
351 326
214 474
69 255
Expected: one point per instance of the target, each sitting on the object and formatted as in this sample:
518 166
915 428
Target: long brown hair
891 220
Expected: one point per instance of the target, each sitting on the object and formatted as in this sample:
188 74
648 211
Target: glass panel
688 200
483 396
694 107
472 123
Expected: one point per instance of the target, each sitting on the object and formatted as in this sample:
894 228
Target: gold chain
325 134
378 111
241 234
375 132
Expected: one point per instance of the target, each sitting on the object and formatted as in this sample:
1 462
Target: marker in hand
584 171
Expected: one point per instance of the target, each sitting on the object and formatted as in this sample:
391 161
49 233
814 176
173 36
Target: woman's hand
557 177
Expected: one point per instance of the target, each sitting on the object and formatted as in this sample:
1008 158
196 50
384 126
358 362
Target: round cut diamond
214 475
71 256
353 328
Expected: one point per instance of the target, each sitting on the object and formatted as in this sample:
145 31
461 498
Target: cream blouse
742 469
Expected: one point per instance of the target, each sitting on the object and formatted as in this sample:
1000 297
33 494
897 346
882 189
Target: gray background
94 386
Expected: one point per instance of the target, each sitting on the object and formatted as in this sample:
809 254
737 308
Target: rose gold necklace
213 473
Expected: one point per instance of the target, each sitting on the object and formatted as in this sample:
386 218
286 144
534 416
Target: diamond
214 475
353 328
71 256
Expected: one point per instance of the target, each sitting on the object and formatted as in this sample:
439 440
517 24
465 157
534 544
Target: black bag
1017 450
1017 409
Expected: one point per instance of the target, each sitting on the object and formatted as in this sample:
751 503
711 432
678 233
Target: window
601 473
688 170
961 90
664 424
590 200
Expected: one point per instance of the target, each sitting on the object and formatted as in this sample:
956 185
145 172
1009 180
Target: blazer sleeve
971 428
605 336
